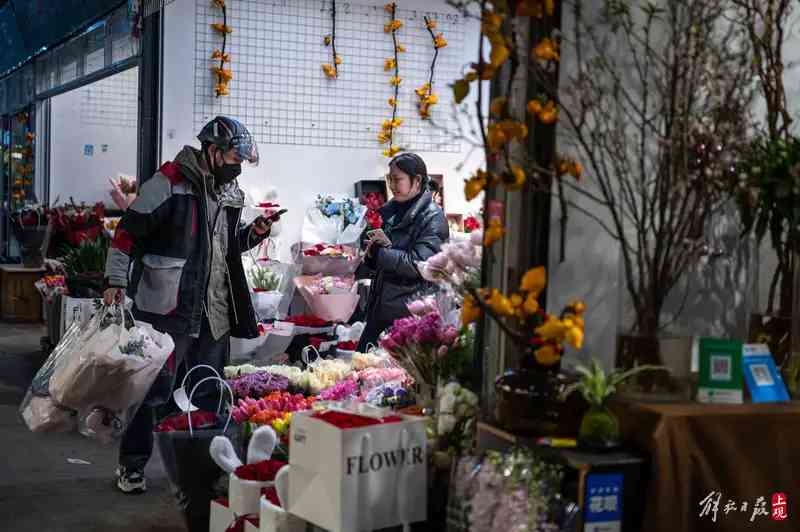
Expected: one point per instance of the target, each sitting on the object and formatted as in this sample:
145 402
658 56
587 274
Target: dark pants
372 331
137 443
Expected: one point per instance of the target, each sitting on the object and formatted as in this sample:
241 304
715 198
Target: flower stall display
51 286
361 361
430 346
84 266
75 223
257 384
331 298
334 220
451 430
330 259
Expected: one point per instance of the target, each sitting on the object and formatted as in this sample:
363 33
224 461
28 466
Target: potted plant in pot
29 226
84 266
599 428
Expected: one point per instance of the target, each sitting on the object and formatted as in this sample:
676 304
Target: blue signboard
603 506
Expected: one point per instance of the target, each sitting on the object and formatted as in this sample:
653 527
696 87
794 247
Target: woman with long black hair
416 227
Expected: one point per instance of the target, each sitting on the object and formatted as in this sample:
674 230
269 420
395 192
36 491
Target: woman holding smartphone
414 229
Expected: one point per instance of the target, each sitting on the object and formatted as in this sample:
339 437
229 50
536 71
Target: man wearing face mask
177 254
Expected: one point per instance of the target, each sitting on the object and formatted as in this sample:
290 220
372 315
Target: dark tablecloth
743 451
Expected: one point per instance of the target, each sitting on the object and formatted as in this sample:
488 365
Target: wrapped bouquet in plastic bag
107 372
334 220
329 298
272 286
328 259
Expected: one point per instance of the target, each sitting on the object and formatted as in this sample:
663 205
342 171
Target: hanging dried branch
662 125
392 64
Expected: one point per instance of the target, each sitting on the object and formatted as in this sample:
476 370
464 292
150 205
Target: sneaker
131 481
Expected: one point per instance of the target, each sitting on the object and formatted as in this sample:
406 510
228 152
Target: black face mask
225 173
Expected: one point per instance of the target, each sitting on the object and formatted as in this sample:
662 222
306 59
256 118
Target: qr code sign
761 375
720 367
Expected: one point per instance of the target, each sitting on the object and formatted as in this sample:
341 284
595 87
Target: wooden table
702 453
19 299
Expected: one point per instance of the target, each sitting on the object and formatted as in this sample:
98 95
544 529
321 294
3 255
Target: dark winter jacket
161 250
416 237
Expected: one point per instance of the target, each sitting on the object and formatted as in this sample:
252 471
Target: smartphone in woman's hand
378 237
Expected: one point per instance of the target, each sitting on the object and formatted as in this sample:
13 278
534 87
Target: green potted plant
599 427
84 266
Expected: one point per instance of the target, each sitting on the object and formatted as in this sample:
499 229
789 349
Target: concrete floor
40 491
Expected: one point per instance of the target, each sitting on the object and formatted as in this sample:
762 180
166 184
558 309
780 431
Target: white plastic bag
109 376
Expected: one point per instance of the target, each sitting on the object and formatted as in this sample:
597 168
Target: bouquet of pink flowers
428 348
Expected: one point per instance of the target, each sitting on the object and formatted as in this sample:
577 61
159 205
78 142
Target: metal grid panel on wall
279 89
112 101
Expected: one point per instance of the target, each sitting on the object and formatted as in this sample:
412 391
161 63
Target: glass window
105 114
27 85
46 72
68 61
13 93
21 159
94 45
123 45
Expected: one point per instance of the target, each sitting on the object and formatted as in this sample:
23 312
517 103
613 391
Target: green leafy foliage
769 200
264 279
87 258
596 386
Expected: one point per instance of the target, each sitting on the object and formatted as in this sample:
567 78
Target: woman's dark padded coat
395 279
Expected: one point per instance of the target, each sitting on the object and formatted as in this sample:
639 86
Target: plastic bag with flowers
271 285
334 220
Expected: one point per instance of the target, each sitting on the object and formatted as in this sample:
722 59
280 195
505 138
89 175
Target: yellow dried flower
494 232
439 41
534 281
329 70
391 152
221 28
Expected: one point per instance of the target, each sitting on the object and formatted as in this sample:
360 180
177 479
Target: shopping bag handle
216 374
304 356
230 410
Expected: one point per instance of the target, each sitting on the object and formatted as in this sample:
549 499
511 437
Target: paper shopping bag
347 480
